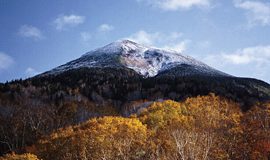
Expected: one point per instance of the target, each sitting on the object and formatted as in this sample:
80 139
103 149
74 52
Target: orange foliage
210 116
204 127
108 138
25 156
257 127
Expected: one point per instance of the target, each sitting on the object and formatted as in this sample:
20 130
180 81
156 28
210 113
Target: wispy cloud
63 22
5 61
173 40
86 36
203 44
250 61
250 55
257 54
178 46
29 31
31 72
173 5
258 13
105 28
144 37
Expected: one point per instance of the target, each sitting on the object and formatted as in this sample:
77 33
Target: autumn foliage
99 138
13 156
200 128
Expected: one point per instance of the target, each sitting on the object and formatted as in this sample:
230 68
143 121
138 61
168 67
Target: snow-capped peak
147 61
117 47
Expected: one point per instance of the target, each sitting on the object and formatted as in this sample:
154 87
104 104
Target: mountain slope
146 61
126 71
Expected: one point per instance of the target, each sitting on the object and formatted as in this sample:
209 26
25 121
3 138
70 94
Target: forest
198 128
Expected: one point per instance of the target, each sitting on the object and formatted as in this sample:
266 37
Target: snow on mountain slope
147 61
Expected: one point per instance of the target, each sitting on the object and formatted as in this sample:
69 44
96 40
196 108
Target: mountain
125 71
121 78
146 61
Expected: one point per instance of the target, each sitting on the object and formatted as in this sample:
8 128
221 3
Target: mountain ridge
126 71
147 61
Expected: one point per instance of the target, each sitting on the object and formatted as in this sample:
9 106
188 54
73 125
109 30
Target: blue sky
38 35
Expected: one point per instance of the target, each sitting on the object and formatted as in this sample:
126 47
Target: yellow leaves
218 116
236 118
108 136
26 156
236 130
209 126
164 114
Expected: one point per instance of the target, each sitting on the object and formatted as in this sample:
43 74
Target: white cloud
63 22
145 38
105 28
250 55
257 54
178 46
178 4
86 36
31 72
175 35
171 41
29 31
248 62
257 12
204 44
237 58
5 61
